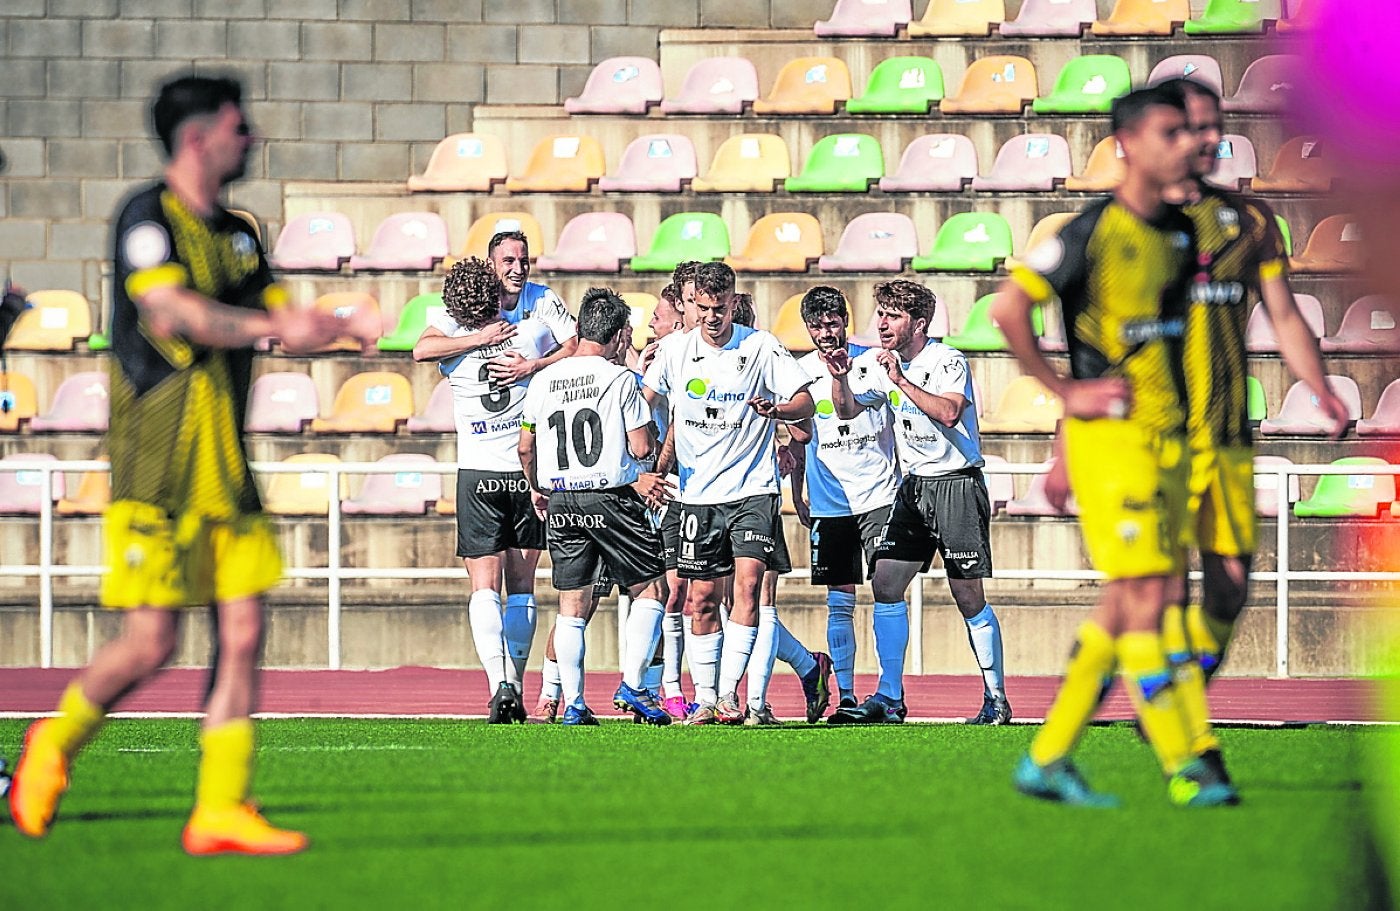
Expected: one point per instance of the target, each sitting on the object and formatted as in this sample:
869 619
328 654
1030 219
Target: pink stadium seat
716 85
80 405
1266 86
1368 327
1027 163
1333 246
655 163
1035 503
874 242
1051 19
437 417
1001 487
619 85
941 162
1299 415
410 241
319 241
1259 336
593 242
472 162
22 492
1235 162
283 402
1266 485
1385 420
1200 68
865 19
410 490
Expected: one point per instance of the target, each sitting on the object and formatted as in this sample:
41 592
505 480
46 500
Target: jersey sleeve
635 412
786 378
866 380
1059 265
444 324
145 257
551 311
1271 249
532 406
658 376
950 376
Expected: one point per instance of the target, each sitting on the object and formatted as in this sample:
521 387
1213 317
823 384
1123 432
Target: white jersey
541 303
581 410
724 450
488 416
926 447
851 467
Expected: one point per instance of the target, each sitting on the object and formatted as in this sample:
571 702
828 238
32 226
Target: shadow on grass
573 836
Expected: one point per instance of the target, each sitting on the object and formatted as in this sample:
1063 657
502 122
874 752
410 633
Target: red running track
437 691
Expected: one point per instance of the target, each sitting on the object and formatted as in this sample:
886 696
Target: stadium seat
437 416
780 242
900 85
1343 495
1053 340
420 310
1200 68
955 18
640 305
981 333
1001 487
1299 414
593 242
1266 86
492 223
1302 16
715 85
1087 85
619 85
371 402
281 402
1235 162
1036 503
747 163
1368 327
301 493
968 242
937 328
360 312
98 341
654 163
54 321
1103 172
1266 485
320 241
1286 231
844 163
250 219
1141 18
684 236
93 496
1259 335
1046 228
807 85
1385 420
1029 163
560 164
1333 246
940 162
463 162
1026 406
789 328
864 19
1051 19
1301 166
80 405
873 242
22 491
1256 405
18 401
1233 17
994 85
410 490
407 241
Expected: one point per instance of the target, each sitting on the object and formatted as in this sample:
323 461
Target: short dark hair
501 237
744 312
684 272
909 297
187 96
671 294
824 300
471 292
715 279
602 314
1188 88
1129 109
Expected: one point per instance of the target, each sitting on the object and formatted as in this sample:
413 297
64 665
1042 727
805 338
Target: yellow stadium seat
789 328
374 402
1046 228
1103 172
952 18
302 493
642 305
55 321
1144 17
92 498
359 310
807 85
781 242
18 401
1026 406
561 164
994 85
747 163
492 223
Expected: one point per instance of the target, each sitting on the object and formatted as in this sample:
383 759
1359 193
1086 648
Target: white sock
841 639
703 654
651 679
984 635
569 649
643 628
765 650
518 625
484 615
723 617
550 688
673 630
734 658
792 652
891 641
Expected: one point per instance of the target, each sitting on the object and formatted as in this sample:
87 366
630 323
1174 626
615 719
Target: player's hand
1057 484
1336 411
540 500
302 330
654 488
803 510
890 361
495 333
838 361
764 408
647 356
510 367
1109 397
786 461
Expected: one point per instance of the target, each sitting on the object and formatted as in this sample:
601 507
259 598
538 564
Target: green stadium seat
844 163
684 236
98 341
1255 404
1287 233
900 85
1087 85
1341 495
412 321
968 242
980 333
1233 17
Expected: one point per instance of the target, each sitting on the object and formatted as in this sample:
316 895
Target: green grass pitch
435 814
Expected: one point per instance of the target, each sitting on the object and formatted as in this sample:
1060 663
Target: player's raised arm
435 345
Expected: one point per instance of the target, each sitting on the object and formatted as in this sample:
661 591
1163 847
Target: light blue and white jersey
541 303
851 466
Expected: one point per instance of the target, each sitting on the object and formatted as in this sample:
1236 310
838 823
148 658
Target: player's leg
764 654
481 542
675 625
519 619
841 639
576 563
569 629
739 636
704 561
547 708
752 529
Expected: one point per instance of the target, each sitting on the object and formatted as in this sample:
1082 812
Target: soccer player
521 300
727 384
500 531
191 294
942 504
585 428
1122 271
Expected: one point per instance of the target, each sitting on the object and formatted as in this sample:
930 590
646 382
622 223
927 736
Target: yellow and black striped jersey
175 437
1122 284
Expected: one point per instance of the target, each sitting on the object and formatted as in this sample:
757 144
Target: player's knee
241 640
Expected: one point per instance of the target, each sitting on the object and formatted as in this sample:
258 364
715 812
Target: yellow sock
225 764
1149 684
78 719
1190 680
1208 636
1087 677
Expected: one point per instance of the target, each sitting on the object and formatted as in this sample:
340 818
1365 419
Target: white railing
335 574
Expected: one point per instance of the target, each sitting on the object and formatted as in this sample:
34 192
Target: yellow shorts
1222 501
154 561
1131 489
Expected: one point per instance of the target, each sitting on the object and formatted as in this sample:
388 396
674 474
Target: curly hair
684 272
471 293
671 294
714 279
744 313
823 300
909 297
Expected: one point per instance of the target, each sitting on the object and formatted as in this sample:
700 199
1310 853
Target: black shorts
671 535
843 545
494 512
712 536
602 534
951 514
